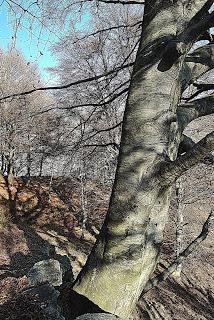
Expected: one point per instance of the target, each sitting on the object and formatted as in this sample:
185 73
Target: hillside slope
42 218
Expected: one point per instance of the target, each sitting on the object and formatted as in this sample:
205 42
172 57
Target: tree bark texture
127 250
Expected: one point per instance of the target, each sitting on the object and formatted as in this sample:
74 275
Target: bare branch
99 104
197 63
103 145
103 130
26 10
113 1
203 55
204 86
196 29
74 83
122 1
23 8
200 14
183 255
170 171
192 110
108 29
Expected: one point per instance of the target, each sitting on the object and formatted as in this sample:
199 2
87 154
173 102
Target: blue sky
32 48
35 46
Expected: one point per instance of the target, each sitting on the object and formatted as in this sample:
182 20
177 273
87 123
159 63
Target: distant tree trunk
83 196
127 250
10 172
41 166
179 224
29 161
9 182
2 163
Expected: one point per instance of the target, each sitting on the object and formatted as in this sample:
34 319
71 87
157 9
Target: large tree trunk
127 251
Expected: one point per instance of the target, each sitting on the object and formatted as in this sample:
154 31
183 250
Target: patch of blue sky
33 40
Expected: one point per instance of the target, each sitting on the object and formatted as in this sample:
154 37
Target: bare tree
21 128
97 109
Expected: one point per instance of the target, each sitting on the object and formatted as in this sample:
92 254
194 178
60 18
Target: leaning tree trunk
127 250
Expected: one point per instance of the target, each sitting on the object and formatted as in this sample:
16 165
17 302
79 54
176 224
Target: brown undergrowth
38 214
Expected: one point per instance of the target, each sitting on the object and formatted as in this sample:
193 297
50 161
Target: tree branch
204 86
123 2
183 255
192 110
103 145
102 130
197 63
170 171
182 43
194 30
203 55
26 10
116 1
185 145
99 104
200 14
108 29
117 69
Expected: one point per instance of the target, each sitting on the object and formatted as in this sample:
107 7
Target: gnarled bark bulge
127 250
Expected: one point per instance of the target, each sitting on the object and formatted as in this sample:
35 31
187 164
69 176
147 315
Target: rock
97 316
67 272
48 297
66 268
46 271
45 293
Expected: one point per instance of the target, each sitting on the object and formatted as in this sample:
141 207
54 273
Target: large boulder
46 271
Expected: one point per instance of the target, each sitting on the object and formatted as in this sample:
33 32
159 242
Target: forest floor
40 214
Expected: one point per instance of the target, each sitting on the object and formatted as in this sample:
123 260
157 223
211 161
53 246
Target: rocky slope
42 222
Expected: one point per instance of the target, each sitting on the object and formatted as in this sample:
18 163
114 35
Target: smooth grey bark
192 110
127 250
